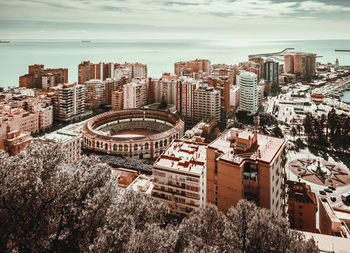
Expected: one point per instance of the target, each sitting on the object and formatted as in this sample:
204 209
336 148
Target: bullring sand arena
135 133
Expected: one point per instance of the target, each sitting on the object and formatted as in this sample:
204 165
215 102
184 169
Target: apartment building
102 71
129 71
271 73
222 84
135 94
248 92
207 104
302 207
185 92
110 85
250 66
117 99
234 96
179 176
68 101
94 94
38 77
301 64
189 67
243 164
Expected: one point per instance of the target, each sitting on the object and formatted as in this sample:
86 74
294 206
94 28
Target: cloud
51 4
113 8
170 3
223 16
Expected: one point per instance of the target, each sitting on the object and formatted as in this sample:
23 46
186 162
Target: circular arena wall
134 132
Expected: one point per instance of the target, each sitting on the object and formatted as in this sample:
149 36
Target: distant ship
86 41
342 50
317 98
4 41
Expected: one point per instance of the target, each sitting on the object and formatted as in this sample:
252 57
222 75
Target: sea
159 55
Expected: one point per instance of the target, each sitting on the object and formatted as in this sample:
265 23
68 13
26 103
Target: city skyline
197 19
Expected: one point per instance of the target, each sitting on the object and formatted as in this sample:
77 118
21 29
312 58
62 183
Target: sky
175 19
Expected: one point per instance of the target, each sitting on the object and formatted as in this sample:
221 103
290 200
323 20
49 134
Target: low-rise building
143 184
125 176
16 141
333 221
69 140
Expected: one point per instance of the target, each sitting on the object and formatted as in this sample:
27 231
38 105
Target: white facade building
248 92
234 96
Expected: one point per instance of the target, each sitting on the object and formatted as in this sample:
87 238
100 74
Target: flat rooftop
328 243
64 134
58 136
265 151
184 156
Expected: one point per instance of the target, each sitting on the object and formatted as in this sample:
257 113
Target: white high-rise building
135 94
248 92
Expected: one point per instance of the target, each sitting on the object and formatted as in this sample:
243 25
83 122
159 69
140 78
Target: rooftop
265 149
301 192
64 134
142 184
184 156
327 243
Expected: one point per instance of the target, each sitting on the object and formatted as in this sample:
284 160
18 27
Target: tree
133 215
240 218
294 132
47 205
243 117
277 132
204 231
259 230
267 119
308 124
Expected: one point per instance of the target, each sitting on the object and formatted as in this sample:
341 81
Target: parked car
332 188
345 197
322 193
328 190
333 198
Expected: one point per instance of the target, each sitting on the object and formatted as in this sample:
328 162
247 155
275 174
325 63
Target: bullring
134 132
